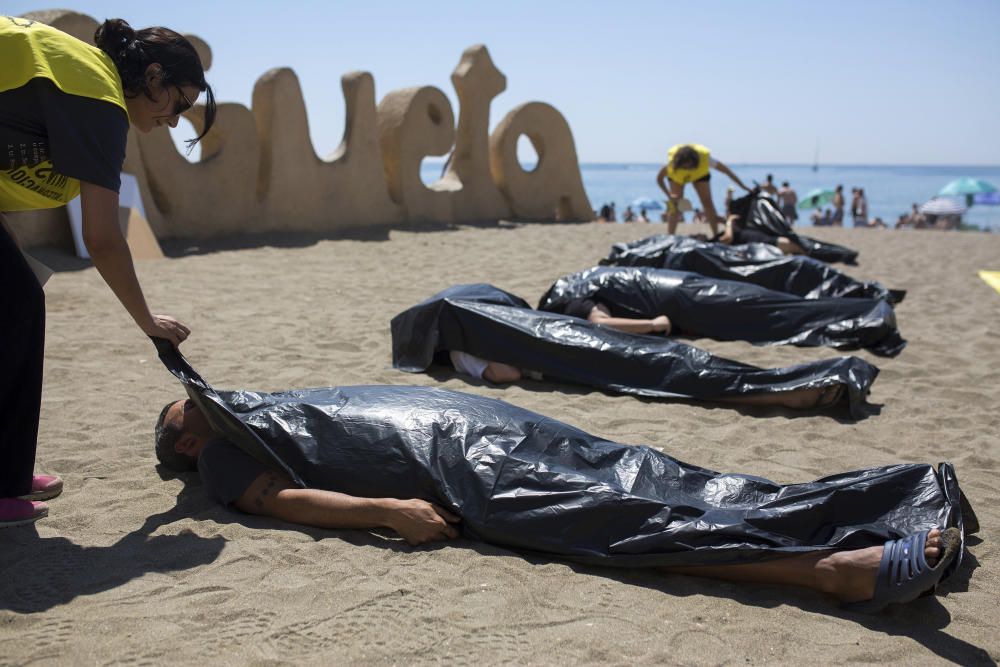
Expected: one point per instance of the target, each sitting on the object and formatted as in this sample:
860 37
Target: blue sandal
904 574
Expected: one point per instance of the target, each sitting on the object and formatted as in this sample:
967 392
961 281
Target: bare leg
674 216
705 195
847 575
798 399
790 247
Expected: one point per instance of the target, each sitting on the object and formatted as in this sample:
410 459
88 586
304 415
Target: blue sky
876 82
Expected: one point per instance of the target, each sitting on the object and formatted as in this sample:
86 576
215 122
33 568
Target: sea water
890 190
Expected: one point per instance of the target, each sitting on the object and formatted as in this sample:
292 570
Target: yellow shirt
28 50
688 175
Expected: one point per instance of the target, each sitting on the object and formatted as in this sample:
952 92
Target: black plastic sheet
489 323
524 481
758 263
728 310
759 212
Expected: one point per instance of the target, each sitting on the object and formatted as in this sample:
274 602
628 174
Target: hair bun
113 36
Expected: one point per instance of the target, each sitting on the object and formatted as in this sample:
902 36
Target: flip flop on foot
904 573
44 487
17 512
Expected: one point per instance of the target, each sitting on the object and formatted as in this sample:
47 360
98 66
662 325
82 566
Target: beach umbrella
816 198
966 186
942 206
647 203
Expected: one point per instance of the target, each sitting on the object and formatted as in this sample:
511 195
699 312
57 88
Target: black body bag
758 263
489 323
527 482
729 310
757 211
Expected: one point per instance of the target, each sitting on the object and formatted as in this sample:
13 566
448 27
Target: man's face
195 431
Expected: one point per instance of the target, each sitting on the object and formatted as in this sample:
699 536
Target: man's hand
164 326
661 324
419 521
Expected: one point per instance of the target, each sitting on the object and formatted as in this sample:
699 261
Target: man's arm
600 314
107 247
417 521
729 172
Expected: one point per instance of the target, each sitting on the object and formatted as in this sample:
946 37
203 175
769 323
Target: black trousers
22 351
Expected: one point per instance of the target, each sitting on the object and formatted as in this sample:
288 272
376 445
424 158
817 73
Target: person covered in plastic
734 233
65 111
691 163
456 486
699 306
758 263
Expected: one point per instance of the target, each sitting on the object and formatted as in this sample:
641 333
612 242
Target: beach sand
131 568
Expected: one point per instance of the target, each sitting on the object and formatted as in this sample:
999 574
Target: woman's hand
164 326
419 521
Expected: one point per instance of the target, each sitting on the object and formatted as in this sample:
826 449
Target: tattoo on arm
272 480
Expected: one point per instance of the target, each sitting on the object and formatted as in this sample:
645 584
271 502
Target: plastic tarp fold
730 310
758 263
759 212
527 482
492 324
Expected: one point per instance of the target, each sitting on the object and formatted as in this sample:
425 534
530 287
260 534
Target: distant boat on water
816 157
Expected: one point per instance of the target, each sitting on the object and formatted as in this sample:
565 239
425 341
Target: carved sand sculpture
259 171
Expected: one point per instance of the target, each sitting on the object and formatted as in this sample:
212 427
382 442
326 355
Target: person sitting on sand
399 458
691 163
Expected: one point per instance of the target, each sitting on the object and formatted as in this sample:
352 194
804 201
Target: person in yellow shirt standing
65 110
691 163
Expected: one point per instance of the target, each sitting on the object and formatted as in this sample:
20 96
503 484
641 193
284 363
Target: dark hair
686 157
166 436
784 184
133 51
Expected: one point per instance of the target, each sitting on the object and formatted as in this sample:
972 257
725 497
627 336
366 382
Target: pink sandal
44 487
17 512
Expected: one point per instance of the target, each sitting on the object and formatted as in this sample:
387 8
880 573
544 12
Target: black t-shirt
580 308
227 471
85 138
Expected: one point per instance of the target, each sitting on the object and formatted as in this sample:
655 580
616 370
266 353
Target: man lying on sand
432 465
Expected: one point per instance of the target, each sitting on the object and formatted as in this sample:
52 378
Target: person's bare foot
850 575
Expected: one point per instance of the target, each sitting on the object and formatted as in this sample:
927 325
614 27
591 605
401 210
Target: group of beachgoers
435 465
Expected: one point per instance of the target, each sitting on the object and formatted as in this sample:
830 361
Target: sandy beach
136 568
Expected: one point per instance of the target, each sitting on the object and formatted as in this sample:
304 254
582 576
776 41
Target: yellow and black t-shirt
62 116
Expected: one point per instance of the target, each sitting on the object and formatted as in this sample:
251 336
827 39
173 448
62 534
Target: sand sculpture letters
259 171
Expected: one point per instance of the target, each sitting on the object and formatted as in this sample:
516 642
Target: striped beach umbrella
942 206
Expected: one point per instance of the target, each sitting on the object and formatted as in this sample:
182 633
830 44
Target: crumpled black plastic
758 263
527 482
728 310
495 325
757 210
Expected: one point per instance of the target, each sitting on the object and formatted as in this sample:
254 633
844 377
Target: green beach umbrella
967 187
816 198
